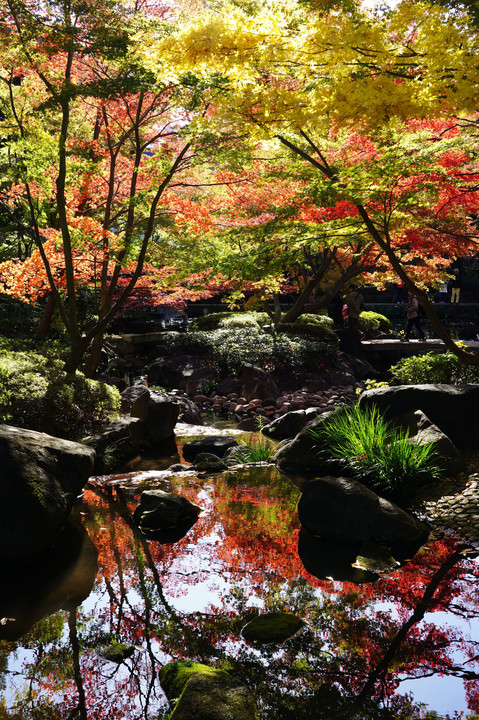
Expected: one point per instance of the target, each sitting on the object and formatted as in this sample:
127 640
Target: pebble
452 506
239 408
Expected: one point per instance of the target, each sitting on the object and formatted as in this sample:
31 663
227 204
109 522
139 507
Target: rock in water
274 627
343 509
40 478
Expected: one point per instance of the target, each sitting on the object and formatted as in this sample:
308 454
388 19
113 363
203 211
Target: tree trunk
93 358
46 320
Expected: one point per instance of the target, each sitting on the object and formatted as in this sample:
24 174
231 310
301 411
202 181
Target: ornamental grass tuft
382 457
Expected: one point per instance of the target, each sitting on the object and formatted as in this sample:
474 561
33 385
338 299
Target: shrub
374 322
213 321
320 327
382 457
230 348
434 368
36 393
17 318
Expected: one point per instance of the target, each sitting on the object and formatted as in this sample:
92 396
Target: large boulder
304 454
165 516
206 693
134 401
453 408
119 441
162 417
185 372
189 411
290 424
422 431
257 384
215 444
40 479
343 509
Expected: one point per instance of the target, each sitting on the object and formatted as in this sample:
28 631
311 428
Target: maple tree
94 145
311 79
279 228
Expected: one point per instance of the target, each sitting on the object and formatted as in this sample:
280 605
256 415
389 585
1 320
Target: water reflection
191 600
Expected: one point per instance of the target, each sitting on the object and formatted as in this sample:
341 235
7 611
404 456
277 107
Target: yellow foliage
288 67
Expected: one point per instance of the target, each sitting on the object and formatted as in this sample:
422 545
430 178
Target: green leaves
382 457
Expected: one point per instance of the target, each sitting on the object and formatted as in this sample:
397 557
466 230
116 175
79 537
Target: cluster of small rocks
458 510
270 408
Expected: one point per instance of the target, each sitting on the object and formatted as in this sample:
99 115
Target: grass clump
255 451
382 457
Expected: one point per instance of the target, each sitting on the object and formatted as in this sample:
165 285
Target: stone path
453 505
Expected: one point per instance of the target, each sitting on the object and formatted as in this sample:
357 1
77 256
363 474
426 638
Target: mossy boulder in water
274 627
206 693
117 652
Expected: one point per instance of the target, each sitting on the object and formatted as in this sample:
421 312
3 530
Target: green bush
434 368
213 321
382 457
17 318
36 393
372 321
320 327
229 349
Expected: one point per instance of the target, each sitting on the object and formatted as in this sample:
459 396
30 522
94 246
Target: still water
402 644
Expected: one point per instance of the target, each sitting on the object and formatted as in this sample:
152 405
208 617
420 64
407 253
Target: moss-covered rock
274 627
204 693
117 652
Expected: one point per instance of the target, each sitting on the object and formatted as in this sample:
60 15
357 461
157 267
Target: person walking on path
456 285
412 316
355 303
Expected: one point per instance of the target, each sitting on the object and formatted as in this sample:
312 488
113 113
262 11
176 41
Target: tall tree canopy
95 154
345 93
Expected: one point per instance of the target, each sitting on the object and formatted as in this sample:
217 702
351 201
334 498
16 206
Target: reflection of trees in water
347 661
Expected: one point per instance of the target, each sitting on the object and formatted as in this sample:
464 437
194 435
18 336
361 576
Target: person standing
412 316
355 303
456 285
335 309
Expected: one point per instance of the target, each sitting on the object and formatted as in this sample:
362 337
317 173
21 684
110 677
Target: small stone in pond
275 627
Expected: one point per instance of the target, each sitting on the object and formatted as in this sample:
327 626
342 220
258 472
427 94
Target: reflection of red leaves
249 539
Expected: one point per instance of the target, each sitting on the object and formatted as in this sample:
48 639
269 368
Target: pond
84 634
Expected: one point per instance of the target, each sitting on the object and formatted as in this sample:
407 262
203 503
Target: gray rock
209 463
189 411
159 510
290 424
162 417
234 455
215 444
423 432
303 453
118 442
129 429
343 509
134 401
256 383
184 372
40 479
452 408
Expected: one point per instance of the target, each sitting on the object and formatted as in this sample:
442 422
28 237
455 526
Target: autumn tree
97 153
304 78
